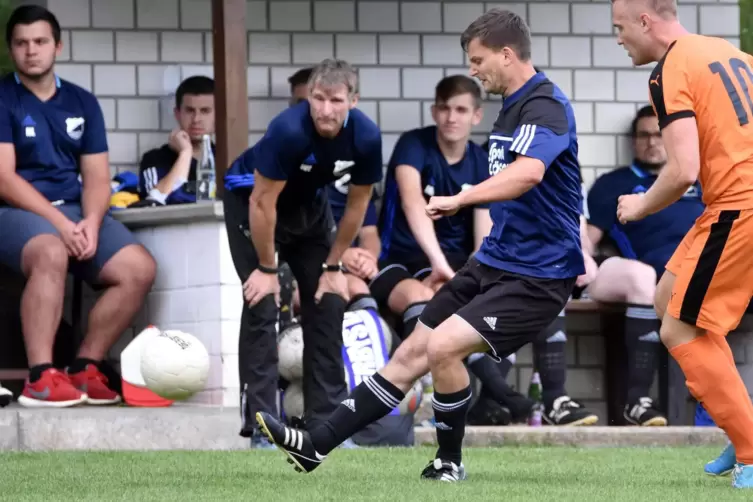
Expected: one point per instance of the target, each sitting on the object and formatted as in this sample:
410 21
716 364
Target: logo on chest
497 158
74 126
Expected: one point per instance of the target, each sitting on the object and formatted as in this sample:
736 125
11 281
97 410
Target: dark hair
30 14
300 77
646 111
455 85
195 86
497 29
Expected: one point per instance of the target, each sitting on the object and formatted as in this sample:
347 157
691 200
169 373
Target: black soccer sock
450 412
492 376
370 401
549 360
410 317
643 347
362 302
80 364
35 372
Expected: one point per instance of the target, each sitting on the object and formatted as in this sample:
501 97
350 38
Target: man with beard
52 139
645 247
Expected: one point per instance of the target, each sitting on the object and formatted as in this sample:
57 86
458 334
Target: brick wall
132 53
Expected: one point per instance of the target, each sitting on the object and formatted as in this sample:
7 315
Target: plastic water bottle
534 392
206 185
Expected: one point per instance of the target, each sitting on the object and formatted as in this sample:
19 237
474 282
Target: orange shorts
713 266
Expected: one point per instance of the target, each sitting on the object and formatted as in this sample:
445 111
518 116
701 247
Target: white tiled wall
131 53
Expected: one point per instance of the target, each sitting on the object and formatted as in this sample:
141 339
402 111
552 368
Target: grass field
495 474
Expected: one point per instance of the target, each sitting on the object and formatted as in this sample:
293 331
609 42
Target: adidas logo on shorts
491 321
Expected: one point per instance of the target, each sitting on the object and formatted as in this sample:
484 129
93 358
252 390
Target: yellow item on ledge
122 200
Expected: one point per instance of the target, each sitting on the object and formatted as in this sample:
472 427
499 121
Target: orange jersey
711 79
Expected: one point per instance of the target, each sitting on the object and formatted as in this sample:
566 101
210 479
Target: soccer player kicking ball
700 91
514 286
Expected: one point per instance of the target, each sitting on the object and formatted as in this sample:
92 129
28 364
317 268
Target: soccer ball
174 365
290 353
292 400
412 401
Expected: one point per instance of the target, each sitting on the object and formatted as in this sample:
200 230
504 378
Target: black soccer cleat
567 411
444 470
644 413
296 443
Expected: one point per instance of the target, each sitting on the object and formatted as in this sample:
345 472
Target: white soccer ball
174 365
412 400
292 400
290 353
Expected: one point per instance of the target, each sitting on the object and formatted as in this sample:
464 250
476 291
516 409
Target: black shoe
566 411
521 408
444 470
296 443
644 414
488 412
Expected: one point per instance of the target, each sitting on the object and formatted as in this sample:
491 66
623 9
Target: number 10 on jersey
740 70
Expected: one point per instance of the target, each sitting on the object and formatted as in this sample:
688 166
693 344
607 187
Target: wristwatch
333 268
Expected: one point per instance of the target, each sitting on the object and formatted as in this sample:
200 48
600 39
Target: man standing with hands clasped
276 197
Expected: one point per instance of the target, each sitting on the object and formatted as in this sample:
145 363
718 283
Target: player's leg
633 283
404 295
124 271
360 295
29 245
257 340
713 285
377 396
511 311
550 360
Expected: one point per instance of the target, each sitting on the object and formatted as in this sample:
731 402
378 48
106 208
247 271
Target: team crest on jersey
497 159
74 126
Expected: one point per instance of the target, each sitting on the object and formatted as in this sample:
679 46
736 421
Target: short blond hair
664 8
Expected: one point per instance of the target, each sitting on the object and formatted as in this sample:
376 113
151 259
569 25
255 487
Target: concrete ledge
583 436
170 215
213 428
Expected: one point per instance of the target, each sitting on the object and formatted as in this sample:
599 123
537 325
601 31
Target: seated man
645 247
52 131
167 174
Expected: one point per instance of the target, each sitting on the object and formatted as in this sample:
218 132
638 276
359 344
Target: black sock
643 347
450 411
35 372
370 401
80 364
492 377
549 360
362 302
410 317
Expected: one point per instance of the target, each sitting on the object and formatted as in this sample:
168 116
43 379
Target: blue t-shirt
51 136
337 193
291 150
653 239
419 149
537 234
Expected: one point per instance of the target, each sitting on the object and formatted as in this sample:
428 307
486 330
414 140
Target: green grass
746 26
495 474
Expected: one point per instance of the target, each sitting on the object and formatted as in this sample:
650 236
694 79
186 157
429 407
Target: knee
409 354
134 268
46 254
144 270
641 283
439 350
418 292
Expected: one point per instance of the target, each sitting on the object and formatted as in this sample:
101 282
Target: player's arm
159 179
671 97
94 164
543 134
14 189
482 225
368 237
367 171
601 204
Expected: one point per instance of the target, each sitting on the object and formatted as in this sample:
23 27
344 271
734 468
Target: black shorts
392 272
507 310
579 292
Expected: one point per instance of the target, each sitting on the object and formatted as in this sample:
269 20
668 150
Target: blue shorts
17 227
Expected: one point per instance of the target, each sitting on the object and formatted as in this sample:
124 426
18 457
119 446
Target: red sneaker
52 390
92 382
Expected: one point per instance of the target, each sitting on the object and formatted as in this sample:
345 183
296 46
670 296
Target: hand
89 229
180 141
591 270
630 208
360 263
259 285
75 241
439 275
442 206
332 282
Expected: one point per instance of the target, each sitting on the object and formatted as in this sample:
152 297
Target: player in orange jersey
702 92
